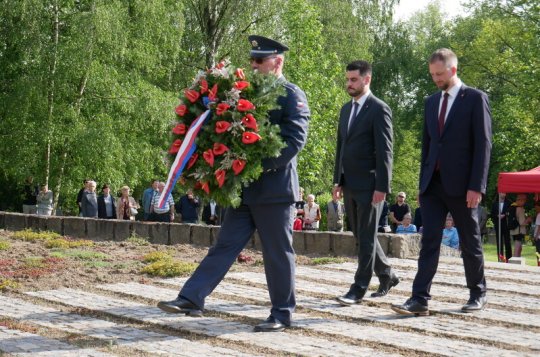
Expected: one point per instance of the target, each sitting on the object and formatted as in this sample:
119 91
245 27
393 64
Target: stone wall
325 243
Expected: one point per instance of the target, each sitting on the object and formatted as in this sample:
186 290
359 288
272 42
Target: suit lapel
360 114
344 120
455 105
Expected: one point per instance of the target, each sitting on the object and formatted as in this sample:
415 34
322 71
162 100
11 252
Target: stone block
214 233
15 221
517 260
99 229
200 235
448 252
122 229
385 242
255 241
317 242
180 233
141 229
299 242
2 220
56 224
159 233
75 227
37 223
343 243
405 245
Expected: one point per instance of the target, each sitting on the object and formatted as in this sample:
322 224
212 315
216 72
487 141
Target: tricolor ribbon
187 149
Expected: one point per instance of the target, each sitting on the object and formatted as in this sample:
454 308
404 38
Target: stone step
459 280
496 271
20 343
490 314
126 336
362 332
496 298
224 329
483 329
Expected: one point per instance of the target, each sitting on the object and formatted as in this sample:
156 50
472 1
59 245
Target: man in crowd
165 213
148 194
188 207
456 148
267 205
106 204
362 173
398 210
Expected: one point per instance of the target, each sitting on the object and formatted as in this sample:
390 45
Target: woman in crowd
44 201
312 214
126 206
406 227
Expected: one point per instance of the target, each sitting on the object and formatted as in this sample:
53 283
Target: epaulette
289 86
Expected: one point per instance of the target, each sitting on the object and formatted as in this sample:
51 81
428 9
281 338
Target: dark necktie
442 114
355 113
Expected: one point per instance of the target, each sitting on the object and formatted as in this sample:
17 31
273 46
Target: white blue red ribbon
187 149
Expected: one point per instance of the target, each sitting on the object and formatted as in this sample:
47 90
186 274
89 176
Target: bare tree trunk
51 89
78 104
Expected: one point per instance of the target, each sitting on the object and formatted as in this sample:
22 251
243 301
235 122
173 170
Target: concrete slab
75 227
180 233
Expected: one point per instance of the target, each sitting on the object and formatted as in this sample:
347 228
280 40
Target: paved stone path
125 316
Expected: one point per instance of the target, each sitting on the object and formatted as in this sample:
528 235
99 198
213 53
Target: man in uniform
267 205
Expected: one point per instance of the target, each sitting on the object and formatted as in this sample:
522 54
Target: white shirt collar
362 99
453 92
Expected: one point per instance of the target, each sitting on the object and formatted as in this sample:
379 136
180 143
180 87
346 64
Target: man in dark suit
362 173
499 213
456 148
267 205
212 214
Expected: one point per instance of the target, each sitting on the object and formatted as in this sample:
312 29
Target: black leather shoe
350 298
385 286
271 324
475 304
411 307
180 305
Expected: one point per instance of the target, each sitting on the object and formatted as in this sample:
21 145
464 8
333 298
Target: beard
355 92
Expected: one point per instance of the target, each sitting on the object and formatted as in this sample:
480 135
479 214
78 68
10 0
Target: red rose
222 108
192 160
204 86
238 165
222 126
175 146
240 73
212 93
241 85
250 122
198 185
205 188
244 105
220 65
191 95
179 129
208 156
220 177
220 149
249 137
181 110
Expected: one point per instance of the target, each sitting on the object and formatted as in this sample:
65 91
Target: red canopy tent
520 182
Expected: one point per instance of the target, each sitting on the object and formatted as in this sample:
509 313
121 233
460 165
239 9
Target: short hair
362 66
311 196
446 56
407 215
104 187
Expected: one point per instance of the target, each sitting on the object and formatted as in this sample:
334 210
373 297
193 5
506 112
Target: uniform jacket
463 149
279 181
364 151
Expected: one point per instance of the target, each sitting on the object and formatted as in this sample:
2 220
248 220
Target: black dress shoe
271 324
350 298
385 286
180 305
475 304
411 307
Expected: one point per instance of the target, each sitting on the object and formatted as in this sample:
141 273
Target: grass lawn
528 252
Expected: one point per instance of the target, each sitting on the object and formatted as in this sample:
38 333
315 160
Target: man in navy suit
362 172
456 148
267 205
